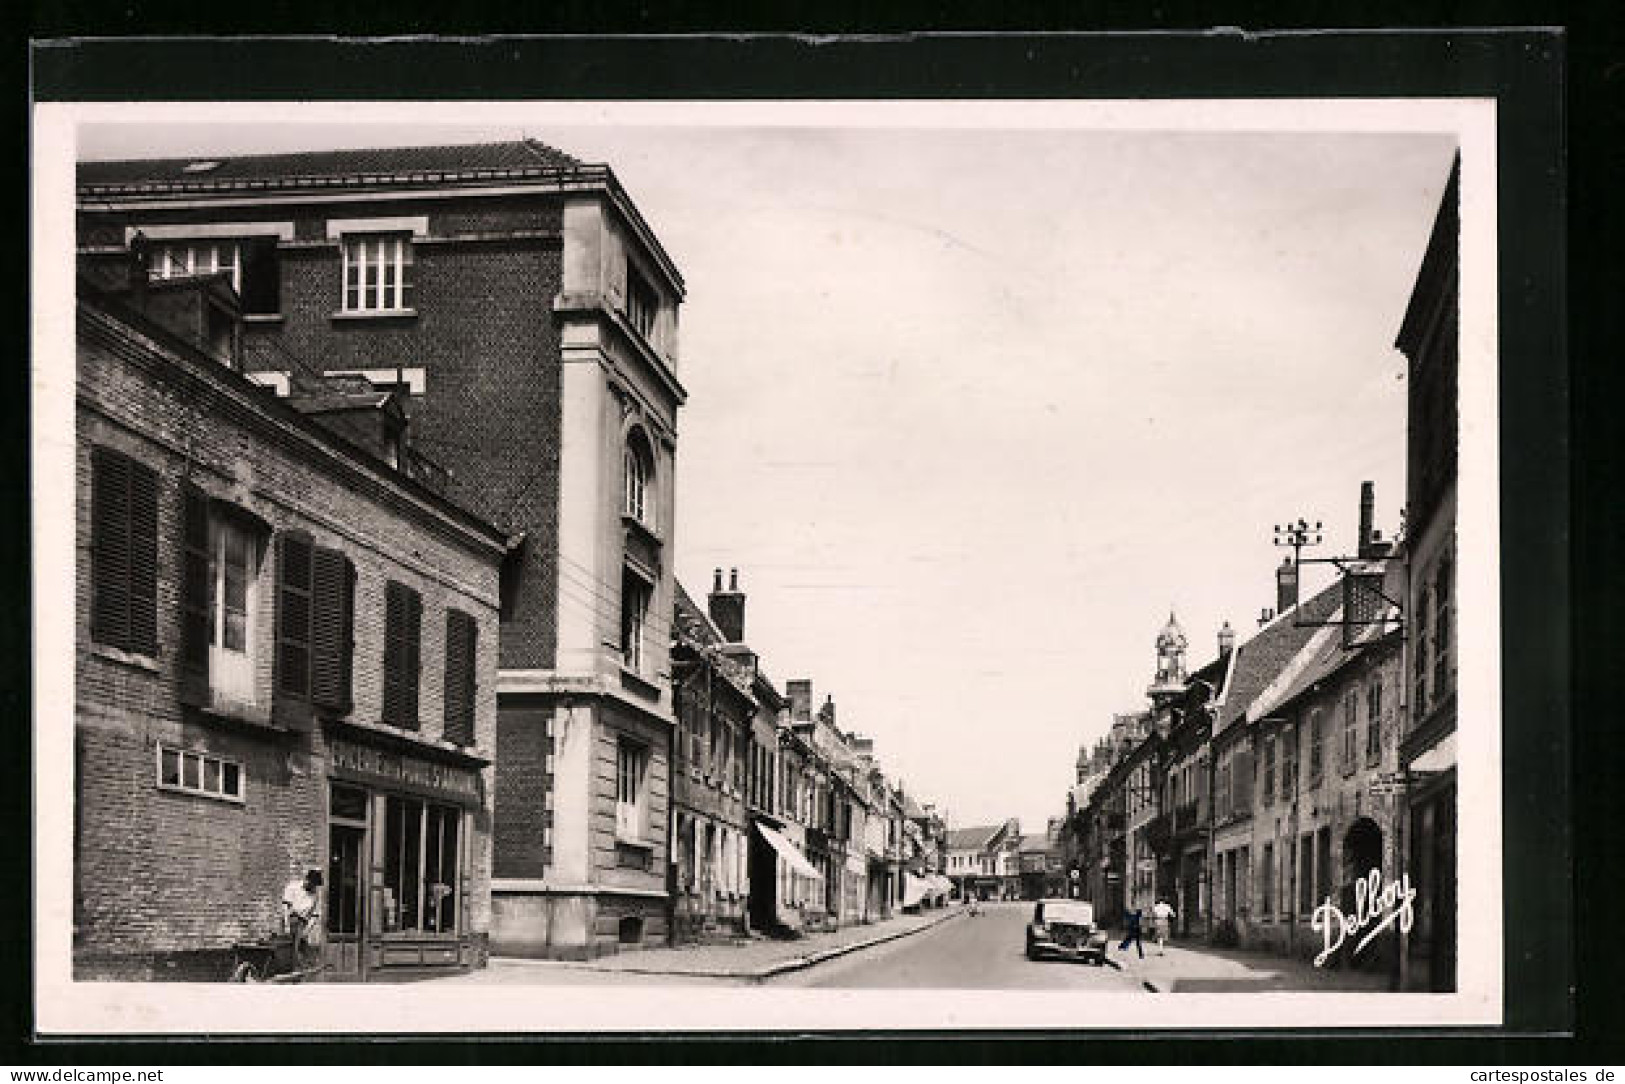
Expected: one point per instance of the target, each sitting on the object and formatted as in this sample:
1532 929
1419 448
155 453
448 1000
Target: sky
972 410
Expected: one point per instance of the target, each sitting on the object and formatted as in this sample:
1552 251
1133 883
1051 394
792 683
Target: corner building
529 315
286 656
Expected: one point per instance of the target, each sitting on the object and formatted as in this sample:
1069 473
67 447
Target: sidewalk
755 959
1196 968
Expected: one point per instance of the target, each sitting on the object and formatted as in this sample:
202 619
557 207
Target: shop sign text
394 768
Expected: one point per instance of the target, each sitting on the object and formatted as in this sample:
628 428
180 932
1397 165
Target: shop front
401 845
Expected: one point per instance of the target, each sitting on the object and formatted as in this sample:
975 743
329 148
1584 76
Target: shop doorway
346 843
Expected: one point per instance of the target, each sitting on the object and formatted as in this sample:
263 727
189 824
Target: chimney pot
1368 500
1286 586
733 579
716 580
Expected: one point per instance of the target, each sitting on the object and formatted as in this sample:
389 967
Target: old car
1065 928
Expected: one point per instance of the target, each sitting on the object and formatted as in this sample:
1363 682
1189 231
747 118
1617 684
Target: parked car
1065 928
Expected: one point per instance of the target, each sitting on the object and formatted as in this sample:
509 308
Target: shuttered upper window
315 608
462 640
403 622
123 553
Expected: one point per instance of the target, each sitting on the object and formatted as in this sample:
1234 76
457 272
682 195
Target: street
985 952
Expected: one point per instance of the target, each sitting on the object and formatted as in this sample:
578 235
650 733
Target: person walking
1132 921
1162 915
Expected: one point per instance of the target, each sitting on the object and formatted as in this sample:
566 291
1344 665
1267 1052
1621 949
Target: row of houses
374 456
1310 769
781 821
998 862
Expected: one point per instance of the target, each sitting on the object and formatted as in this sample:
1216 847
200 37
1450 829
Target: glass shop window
420 866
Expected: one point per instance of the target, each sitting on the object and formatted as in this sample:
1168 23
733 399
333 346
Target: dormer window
182 259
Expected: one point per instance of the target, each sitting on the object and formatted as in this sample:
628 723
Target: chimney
1265 616
1227 639
862 746
1286 586
1367 500
827 712
799 690
727 608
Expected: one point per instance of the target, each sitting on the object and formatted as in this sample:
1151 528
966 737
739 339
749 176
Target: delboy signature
1376 905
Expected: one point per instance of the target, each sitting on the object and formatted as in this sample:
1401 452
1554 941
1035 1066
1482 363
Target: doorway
346 843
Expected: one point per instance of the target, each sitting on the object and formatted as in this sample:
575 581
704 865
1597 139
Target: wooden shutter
403 620
1241 778
331 629
110 548
124 553
294 577
197 590
461 641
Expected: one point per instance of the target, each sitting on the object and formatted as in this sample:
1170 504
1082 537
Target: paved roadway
981 953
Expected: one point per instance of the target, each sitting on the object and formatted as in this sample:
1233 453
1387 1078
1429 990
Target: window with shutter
294 577
403 620
124 553
461 642
331 629
197 581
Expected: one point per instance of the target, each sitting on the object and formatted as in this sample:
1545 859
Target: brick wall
160 871
521 842
485 279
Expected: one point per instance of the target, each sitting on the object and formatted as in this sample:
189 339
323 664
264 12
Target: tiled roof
1261 660
973 839
375 161
694 627
692 621
1320 658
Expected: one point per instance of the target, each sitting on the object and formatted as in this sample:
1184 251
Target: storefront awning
789 852
915 889
1440 758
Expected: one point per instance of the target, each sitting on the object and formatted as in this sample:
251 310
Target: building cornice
197 193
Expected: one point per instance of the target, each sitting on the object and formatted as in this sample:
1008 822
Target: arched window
637 469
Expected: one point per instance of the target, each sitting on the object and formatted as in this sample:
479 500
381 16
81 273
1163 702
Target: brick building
286 656
529 314
1428 339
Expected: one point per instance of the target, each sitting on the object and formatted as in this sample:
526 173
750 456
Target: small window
1373 721
183 259
634 612
631 788
199 773
642 303
636 471
378 273
1351 731
1316 741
